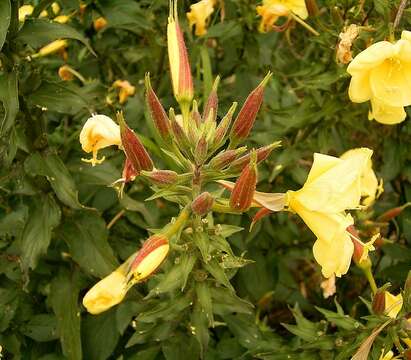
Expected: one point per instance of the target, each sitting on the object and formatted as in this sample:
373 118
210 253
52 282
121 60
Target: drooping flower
199 15
99 132
125 90
370 188
382 74
272 10
332 187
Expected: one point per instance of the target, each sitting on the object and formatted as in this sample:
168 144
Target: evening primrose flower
99 132
370 187
332 187
382 74
199 15
125 90
272 10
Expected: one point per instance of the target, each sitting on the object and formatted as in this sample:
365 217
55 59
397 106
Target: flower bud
51 48
378 303
212 102
161 177
247 115
202 204
244 188
407 353
201 150
392 213
129 173
262 154
358 247
62 19
99 23
133 148
158 115
178 57
150 256
179 134
24 11
223 126
225 158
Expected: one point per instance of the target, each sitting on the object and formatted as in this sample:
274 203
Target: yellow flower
370 188
126 90
271 10
107 292
62 19
199 15
55 7
99 132
333 186
393 304
53 47
382 74
25 11
99 23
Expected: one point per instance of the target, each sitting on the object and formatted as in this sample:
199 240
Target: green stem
175 226
303 23
185 111
370 277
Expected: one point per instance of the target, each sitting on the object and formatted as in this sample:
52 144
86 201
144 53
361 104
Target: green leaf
218 273
5 11
199 327
41 327
44 216
170 281
86 235
64 300
38 32
205 301
342 321
53 168
225 302
187 262
10 100
203 243
165 310
228 230
60 97
100 336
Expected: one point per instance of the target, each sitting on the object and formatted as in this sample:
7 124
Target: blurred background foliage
57 237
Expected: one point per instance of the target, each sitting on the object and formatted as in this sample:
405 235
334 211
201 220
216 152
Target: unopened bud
178 57
202 204
129 173
358 247
244 188
161 177
52 48
195 114
99 23
150 256
61 19
392 213
223 126
212 102
225 158
248 113
134 149
179 134
201 149
407 353
262 154
378 302
157 112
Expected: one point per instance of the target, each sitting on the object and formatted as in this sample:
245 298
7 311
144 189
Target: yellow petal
298 7
334 257
151 262
393 304
359 90
385 114
199 15
173 53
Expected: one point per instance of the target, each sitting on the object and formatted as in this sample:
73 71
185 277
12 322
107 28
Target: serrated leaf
38 32
53 168
64 300
342 321
201 240
228 230
44 216
225 302
86 235
218 273
9 98
5 11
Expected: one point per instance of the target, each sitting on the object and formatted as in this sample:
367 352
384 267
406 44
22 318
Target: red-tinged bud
407 354
129 173
378 303
161 177
202 204
392 213
262 154
212 102
195 114
134 149
244 188
158 115
259 215
201 150
150 256
225 158
179 134
222 128
358 247
248 113
178 57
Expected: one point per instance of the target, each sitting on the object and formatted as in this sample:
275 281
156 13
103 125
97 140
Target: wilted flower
65 73
126 90
333 186
328 286
370 188
346 37
381 74
178 57
272 10
99 132
199 15
99 23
